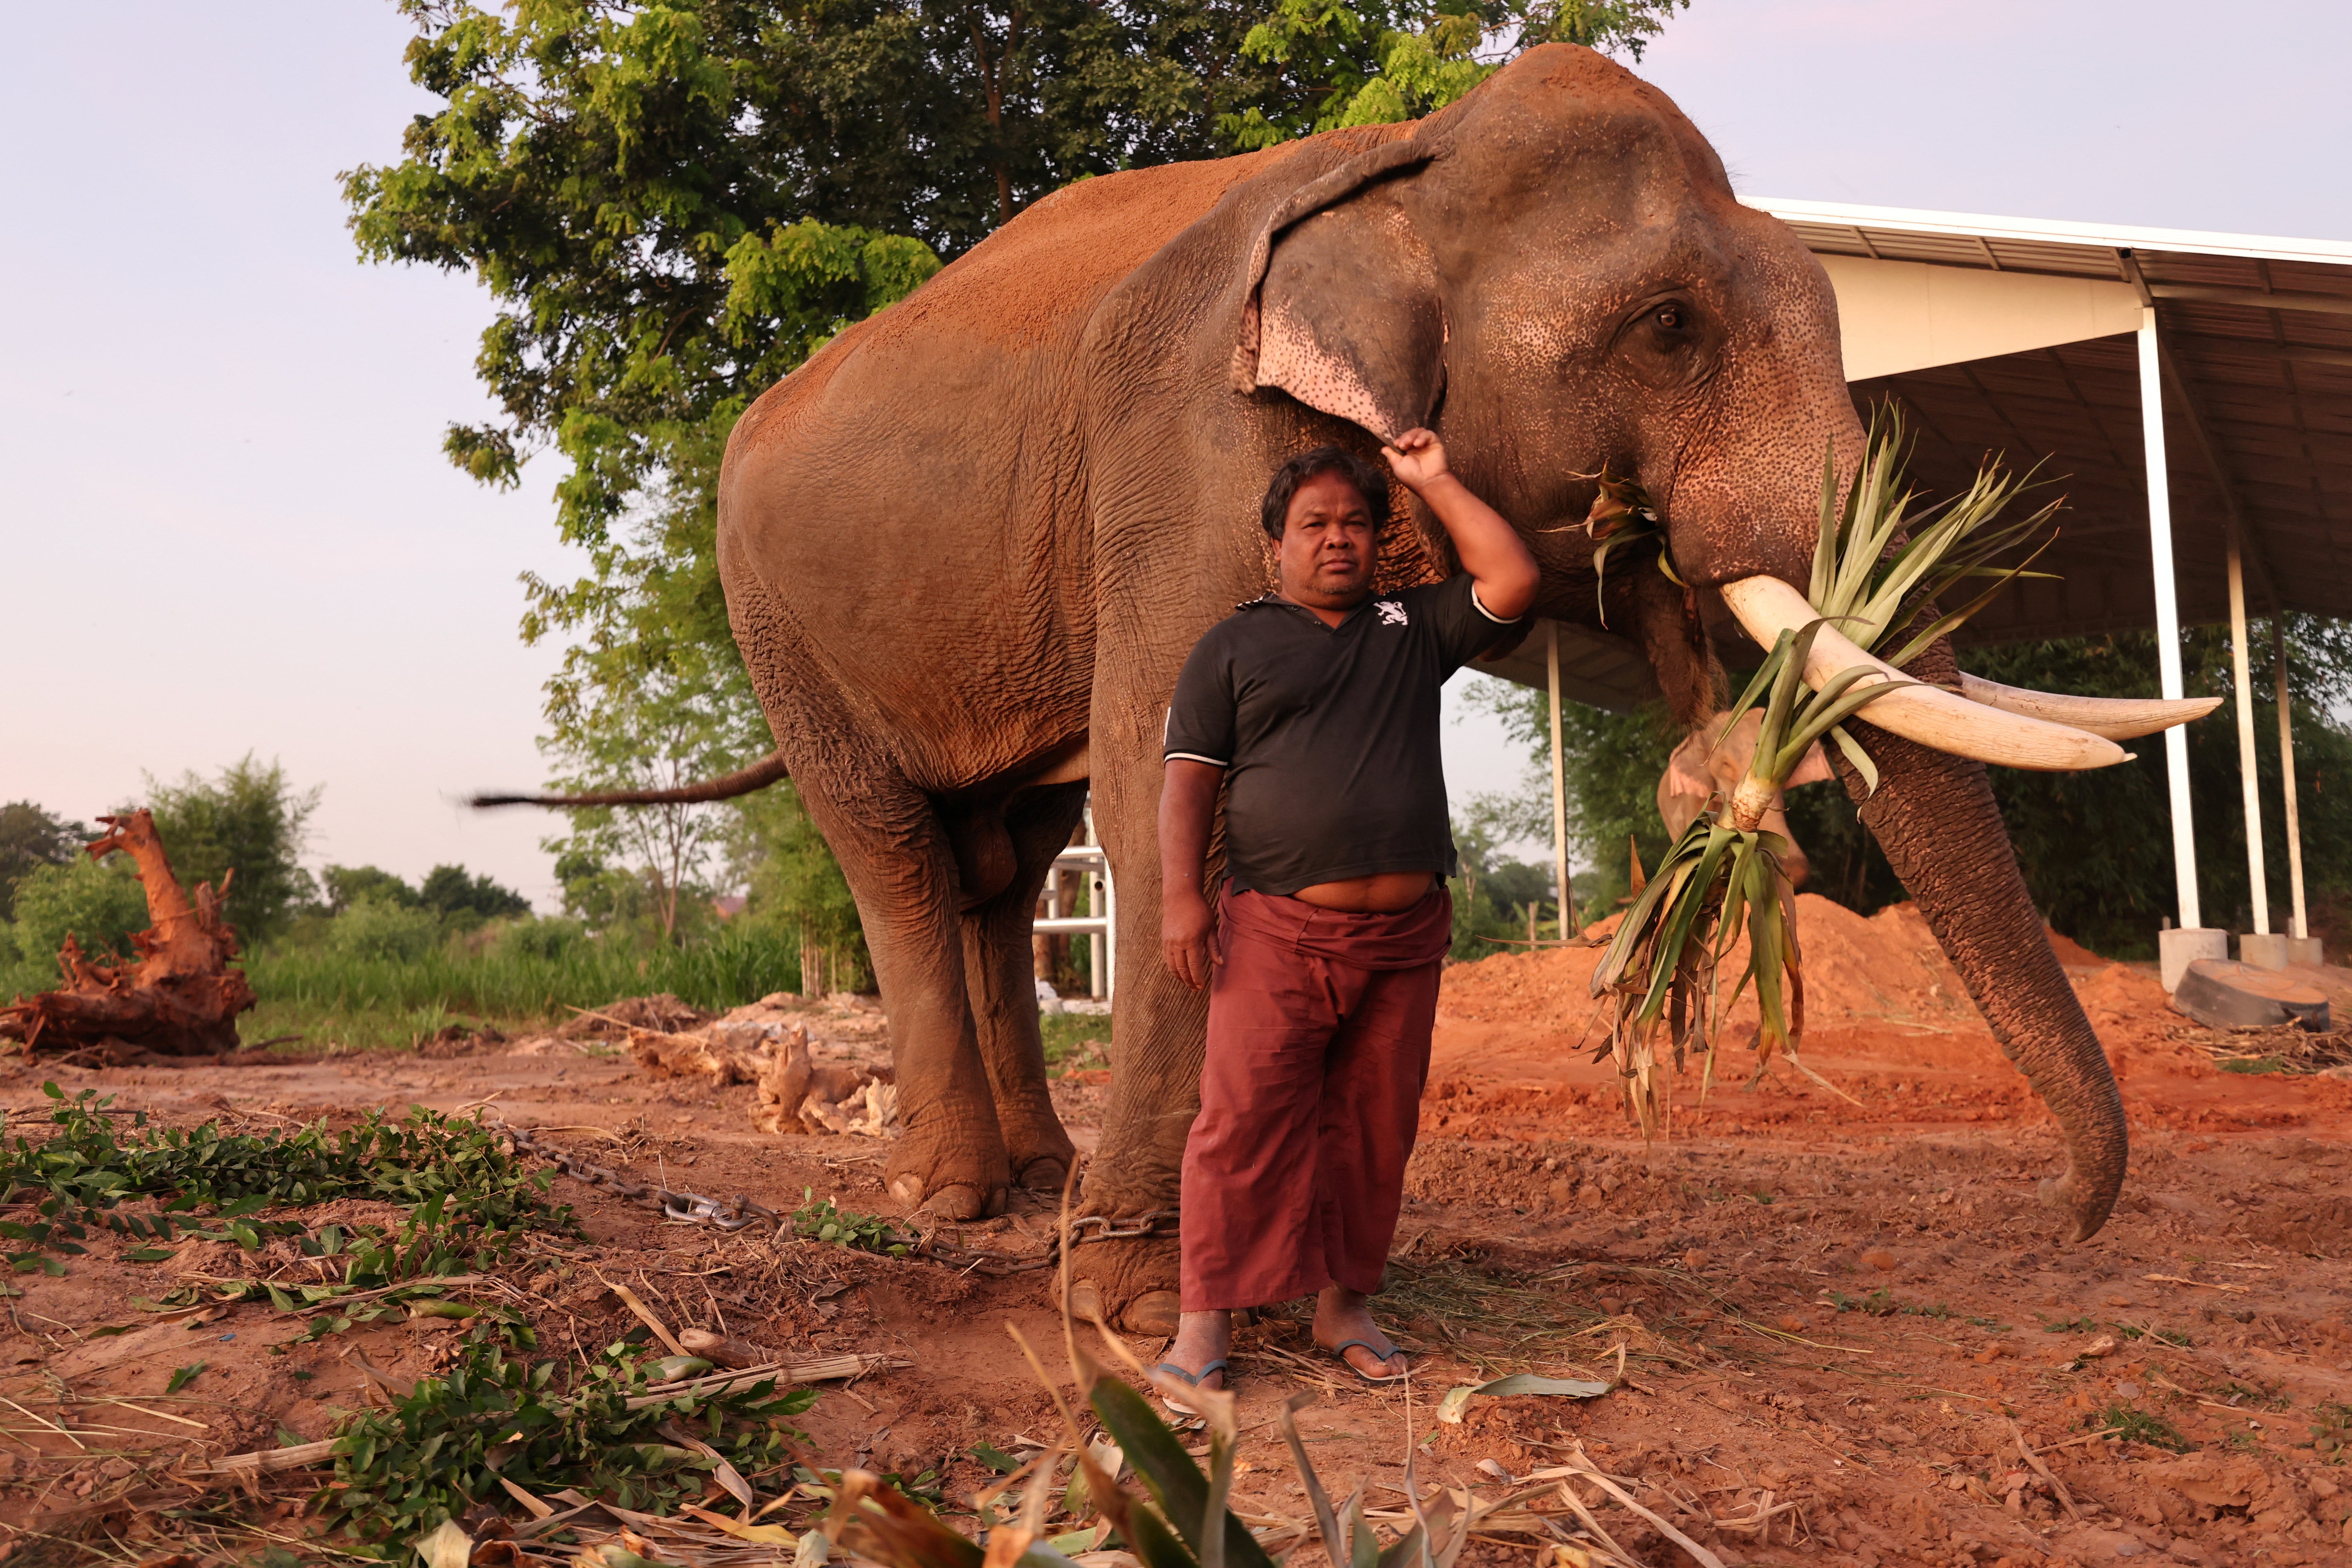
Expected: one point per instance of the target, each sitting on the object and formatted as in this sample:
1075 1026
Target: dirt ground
1828 1327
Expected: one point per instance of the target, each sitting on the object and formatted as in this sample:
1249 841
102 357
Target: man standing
1317 709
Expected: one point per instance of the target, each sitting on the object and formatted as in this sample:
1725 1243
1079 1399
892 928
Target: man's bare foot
1340 1315
1201 1338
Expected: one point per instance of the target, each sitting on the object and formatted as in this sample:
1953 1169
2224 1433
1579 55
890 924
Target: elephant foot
1131 1285
952 1186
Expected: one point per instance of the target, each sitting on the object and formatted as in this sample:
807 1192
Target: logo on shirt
1391 613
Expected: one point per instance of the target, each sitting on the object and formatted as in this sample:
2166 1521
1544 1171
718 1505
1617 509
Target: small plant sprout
1879 570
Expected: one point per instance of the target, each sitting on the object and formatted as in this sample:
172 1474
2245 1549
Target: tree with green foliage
450 893
347 885
31 837
1378 64
1612 765
2111 898
248 819
797 889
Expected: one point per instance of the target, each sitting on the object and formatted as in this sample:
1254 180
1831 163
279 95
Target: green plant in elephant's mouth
1880 571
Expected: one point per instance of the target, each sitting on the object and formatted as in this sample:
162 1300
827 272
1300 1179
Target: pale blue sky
225 524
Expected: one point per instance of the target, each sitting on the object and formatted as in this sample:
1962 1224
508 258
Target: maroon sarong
1310 1095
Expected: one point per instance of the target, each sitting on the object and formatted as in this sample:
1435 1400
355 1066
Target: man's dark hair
1368 480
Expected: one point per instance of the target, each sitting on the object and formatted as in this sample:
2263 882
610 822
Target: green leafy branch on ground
82 1175
498 1421
818 1220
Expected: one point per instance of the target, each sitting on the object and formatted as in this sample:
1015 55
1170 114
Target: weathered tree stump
183 995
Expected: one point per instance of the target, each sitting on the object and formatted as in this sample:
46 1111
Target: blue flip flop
1192 1377
1339 1355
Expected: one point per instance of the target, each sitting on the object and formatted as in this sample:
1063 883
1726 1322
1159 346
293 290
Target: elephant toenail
957 1200
1045 1174
1153 1312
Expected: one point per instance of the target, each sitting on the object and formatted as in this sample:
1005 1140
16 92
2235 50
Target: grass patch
2253 1065
380 1001
1075 1041
1879 1303
2139 1427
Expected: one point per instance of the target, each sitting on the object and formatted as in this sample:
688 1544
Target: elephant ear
1341 306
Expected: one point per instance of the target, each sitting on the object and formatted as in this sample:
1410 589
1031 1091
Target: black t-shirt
1328 734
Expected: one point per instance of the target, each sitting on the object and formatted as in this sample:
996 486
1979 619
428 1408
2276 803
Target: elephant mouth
2044 731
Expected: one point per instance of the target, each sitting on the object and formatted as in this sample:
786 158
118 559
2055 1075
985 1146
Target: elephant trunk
1935 815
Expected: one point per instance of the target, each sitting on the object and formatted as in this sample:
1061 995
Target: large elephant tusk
2116 717
1767 607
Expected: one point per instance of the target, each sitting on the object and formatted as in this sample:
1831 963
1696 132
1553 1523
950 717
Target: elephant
966 547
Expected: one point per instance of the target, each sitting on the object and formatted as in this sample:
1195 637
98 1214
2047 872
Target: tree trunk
181 998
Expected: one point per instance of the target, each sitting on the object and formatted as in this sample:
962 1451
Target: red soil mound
1881 969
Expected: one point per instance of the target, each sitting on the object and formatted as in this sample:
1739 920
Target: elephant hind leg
1001 972
899 856
901 864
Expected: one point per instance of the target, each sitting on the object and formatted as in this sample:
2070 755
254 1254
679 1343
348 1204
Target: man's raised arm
1500 568
1188 805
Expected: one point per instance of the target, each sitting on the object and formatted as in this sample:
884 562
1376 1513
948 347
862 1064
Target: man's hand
1491 551
1417 458
1187 936
1188 805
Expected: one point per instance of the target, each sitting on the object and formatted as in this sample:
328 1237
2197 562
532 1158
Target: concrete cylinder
2179 947
2262 950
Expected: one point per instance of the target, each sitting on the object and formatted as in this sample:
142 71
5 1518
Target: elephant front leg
1001 970
1155 1062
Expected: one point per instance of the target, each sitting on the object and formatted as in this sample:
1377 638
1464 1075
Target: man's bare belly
1382 895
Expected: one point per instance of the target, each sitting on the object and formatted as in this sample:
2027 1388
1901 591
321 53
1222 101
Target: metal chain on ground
740 1213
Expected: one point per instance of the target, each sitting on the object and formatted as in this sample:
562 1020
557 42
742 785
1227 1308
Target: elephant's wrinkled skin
967 547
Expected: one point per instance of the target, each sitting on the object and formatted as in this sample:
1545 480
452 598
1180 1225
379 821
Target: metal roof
2256 339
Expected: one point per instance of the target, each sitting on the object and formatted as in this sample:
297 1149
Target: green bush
375 928
100 904
30 837
249 819
540 939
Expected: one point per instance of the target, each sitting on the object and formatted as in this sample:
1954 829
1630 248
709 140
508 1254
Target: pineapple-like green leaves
1878 567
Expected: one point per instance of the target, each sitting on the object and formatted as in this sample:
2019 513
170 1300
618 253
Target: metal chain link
740 1213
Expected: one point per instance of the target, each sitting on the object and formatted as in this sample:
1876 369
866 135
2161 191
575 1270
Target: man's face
1329 545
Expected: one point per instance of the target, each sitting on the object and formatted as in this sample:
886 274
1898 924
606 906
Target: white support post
1558 785
1097 977
2257 875
1110 935
2298 930
2177 950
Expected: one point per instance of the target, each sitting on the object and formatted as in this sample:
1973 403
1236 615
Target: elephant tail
743 781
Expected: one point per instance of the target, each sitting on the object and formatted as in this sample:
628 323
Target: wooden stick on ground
2034 1460
645 1315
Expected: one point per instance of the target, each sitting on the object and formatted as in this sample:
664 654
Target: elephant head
1556 275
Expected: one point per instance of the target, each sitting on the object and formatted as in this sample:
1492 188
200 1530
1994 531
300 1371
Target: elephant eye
1669 318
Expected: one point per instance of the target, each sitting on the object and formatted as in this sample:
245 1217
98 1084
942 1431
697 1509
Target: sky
225 525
